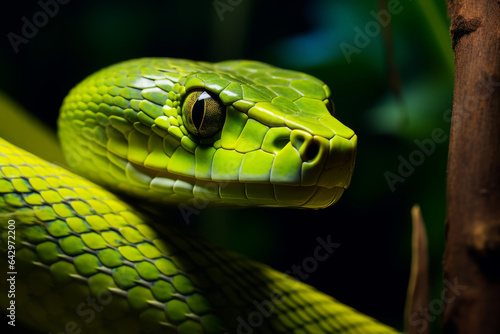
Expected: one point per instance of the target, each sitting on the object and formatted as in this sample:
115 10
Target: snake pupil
198 112
203 113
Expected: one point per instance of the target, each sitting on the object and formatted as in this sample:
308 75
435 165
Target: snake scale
162 133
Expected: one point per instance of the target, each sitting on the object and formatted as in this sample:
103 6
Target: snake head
234 132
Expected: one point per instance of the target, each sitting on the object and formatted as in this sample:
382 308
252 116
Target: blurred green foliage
372 222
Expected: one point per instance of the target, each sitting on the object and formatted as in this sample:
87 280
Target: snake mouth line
169 188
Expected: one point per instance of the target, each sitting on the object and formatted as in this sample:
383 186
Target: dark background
371 222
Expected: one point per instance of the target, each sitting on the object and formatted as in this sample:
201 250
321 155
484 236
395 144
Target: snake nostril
312 151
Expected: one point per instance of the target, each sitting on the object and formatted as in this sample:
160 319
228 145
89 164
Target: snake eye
203 113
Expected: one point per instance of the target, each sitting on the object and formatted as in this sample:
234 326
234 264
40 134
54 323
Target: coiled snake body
163 131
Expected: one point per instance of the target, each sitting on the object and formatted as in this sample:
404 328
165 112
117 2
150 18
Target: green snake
162 132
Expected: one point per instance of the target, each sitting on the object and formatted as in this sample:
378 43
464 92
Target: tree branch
472 257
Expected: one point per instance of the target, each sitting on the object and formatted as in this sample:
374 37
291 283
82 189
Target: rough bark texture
472 257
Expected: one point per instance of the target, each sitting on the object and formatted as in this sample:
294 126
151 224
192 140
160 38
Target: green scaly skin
88 261
123 128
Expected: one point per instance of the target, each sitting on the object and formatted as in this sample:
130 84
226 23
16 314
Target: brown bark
472 257
417 297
